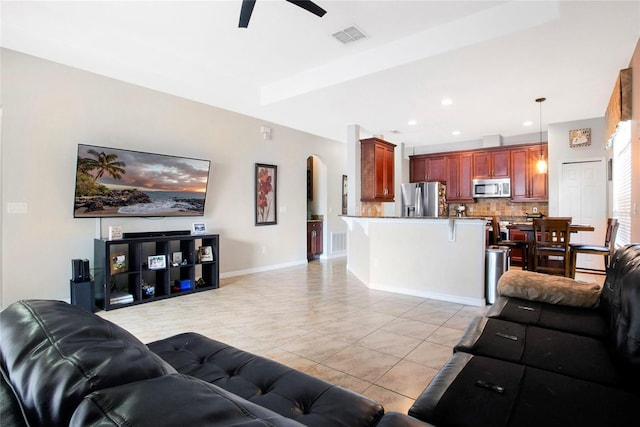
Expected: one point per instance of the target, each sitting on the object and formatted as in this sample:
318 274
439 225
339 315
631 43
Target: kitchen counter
439 258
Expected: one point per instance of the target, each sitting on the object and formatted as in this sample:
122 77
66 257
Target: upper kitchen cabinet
459 168
427 168
527 184
377 169
491 164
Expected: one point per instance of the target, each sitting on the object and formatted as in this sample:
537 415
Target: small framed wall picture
345 196
156 262
580 137
198 228
206 254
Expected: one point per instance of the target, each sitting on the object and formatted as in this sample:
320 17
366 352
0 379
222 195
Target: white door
583 197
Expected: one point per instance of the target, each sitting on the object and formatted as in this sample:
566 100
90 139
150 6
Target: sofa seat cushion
534 286
53 354
288 392
569 354
477 391
172 400
577 320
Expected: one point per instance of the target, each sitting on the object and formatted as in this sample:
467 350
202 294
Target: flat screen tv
113 182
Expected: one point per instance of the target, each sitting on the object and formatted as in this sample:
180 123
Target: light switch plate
16 207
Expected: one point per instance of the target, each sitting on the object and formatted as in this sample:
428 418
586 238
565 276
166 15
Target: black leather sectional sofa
62 365
531 363
526 363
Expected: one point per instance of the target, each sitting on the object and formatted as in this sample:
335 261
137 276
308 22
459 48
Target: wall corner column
353 170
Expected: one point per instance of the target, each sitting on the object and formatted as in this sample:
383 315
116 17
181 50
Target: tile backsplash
500 207
503 208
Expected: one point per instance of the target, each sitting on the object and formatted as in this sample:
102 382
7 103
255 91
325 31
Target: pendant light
541 165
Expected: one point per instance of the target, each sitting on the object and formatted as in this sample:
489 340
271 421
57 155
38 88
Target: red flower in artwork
265 187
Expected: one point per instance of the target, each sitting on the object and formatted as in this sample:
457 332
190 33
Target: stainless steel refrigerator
424 199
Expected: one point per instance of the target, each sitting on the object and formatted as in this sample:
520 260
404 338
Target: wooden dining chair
522 245
605 250
551 250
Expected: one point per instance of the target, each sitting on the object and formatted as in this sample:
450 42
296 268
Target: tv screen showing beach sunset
112 182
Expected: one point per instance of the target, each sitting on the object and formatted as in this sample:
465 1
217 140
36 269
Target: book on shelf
120 298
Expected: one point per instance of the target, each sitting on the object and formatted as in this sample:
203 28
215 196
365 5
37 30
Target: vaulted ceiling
492 59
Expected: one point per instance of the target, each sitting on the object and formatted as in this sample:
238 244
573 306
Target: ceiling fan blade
245 13
310 6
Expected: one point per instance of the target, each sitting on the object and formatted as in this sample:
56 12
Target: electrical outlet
535 209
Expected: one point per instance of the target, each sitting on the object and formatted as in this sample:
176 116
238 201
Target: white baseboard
477 302
261 269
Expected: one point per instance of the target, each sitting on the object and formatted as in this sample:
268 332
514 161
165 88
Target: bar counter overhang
438 258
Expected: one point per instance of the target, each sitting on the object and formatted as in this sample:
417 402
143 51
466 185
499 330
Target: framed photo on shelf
265 194
206 254
118 263
156 262
176 258
115 232
198 228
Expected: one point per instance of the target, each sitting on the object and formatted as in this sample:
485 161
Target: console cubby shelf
144 269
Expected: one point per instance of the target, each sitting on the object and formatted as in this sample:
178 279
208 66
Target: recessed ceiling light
527 123
412 123
456 133
446 101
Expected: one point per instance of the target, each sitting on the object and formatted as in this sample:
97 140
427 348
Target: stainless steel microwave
493 187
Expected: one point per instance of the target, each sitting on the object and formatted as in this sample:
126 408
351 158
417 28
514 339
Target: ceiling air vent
349 35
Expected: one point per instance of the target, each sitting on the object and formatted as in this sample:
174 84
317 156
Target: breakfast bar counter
439 258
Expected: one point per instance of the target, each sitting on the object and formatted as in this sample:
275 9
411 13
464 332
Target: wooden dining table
528 228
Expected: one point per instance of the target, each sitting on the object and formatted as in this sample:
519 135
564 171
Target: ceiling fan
247 8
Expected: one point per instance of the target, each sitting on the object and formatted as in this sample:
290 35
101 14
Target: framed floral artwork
265 194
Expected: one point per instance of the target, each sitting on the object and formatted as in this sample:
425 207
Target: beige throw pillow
548 288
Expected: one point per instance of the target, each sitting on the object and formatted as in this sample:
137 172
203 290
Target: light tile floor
320 319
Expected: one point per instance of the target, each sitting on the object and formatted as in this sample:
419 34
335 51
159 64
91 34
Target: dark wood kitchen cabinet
491 164
377 174
427 168
459 180
314 239
527 184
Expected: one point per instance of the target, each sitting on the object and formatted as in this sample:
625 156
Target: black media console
144 267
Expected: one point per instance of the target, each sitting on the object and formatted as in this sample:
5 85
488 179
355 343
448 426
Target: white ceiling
492 58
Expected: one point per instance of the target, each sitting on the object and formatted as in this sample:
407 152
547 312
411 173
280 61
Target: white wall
49 108
560 152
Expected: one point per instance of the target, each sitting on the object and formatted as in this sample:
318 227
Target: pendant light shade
541 165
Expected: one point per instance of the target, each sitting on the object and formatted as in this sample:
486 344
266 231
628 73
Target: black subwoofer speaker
82 294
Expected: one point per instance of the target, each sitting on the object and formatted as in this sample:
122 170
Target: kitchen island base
434 258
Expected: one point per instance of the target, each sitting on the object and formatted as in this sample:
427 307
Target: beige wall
560 152
48 108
